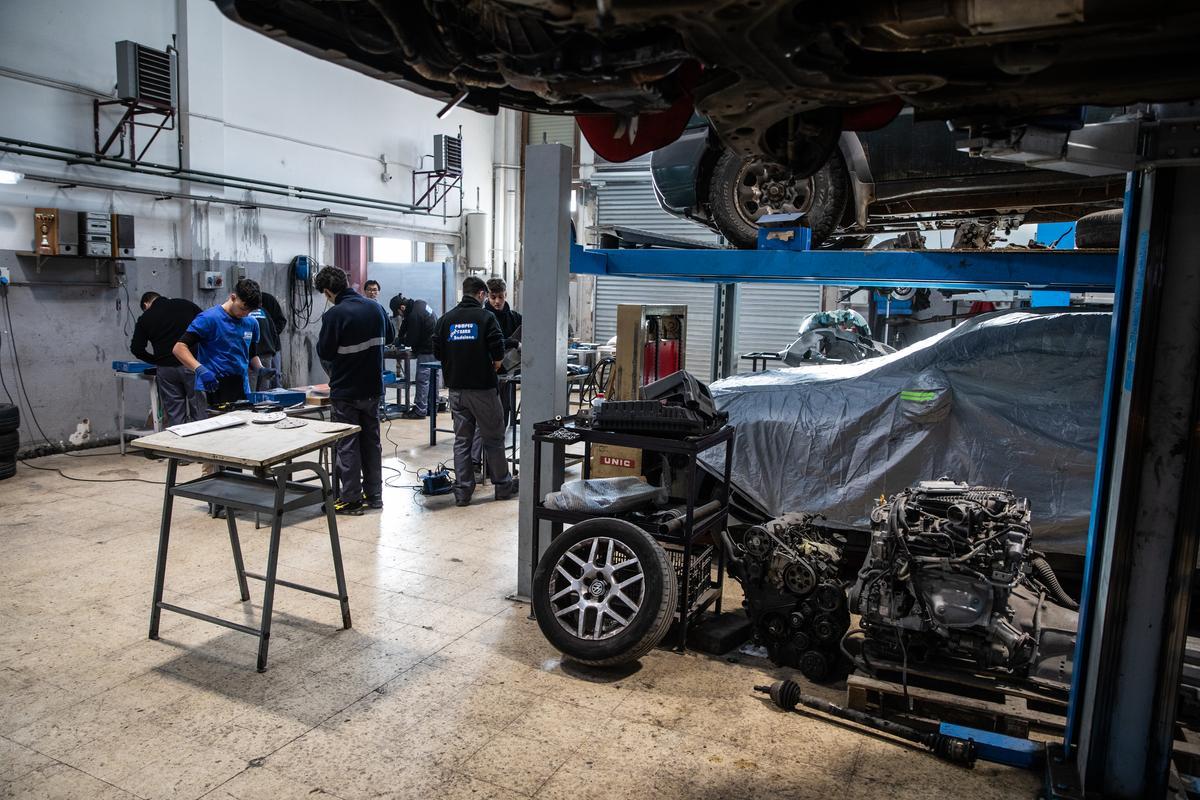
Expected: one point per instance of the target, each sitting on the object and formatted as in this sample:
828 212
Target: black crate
701 570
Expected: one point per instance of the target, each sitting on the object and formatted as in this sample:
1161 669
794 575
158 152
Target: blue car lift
1145 522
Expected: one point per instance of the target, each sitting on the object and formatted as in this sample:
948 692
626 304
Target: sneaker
509 491
372 502
412 415
461 500
352 508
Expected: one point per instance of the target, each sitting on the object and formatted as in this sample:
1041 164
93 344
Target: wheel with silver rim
604 592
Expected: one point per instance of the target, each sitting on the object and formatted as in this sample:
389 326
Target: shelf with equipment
690 540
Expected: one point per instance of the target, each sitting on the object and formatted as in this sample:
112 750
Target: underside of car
780 79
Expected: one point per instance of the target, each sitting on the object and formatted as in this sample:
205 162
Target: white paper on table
206 425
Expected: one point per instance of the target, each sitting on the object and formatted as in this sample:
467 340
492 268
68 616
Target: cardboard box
610 461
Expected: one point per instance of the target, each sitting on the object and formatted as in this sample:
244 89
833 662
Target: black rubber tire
1099 230
649 623
7 469
10 417
830 193
9 443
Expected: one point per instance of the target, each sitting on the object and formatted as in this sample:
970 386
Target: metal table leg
264 635
164 535
238 564
121 413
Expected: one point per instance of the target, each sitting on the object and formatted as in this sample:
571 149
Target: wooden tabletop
248 445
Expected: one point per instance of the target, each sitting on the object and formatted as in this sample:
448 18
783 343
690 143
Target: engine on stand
788 569
951 576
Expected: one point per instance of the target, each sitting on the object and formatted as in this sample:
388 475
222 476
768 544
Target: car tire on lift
829 189
581 574
1099 230
10 417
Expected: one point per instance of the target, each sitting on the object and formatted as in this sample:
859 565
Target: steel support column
546 263
724 359
1144 542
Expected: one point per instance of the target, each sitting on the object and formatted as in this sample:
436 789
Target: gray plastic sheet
1009 400
605 495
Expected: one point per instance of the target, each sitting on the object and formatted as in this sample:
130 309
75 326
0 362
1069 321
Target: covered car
1008 400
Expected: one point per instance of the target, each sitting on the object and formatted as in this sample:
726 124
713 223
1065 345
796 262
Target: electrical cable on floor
91 480
12 343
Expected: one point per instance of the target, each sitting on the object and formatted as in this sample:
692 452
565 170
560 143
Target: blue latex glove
206 379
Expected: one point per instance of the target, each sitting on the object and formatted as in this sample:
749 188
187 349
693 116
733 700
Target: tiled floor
442 689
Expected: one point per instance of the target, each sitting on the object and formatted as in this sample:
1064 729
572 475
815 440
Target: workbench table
267 452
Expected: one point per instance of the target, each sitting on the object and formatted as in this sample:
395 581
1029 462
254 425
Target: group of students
217 355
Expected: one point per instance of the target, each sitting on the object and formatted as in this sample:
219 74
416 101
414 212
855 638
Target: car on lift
904 176
779 79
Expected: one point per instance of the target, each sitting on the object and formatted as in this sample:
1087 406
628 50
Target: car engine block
788 569
951 575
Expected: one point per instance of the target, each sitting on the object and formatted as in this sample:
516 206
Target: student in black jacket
416 333
468 342
497 303
510 325
163 321
271 324
353 334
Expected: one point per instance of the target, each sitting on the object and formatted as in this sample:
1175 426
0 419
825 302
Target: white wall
250 107
253 108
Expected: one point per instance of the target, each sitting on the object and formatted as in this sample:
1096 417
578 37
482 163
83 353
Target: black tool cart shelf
690 547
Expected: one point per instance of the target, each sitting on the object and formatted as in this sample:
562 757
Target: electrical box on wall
236 273
210 281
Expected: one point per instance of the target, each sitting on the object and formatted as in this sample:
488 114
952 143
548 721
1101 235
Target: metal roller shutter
552 129
768 315
698 297
625 196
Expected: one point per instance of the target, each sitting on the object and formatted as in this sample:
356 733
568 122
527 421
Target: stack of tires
10 420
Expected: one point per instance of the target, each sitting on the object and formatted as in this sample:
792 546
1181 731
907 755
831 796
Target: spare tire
604 592
9 442
741 191
7 469
1099 230
10 417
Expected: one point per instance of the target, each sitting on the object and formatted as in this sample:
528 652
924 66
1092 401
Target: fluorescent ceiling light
7 176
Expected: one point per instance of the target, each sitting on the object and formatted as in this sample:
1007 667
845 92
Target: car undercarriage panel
774 77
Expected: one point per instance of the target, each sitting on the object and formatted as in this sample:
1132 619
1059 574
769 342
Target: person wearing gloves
224 338
272 322
353 334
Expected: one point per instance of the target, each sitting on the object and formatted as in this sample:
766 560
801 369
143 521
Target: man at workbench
416 333
163 321
224 337
353 334
468 342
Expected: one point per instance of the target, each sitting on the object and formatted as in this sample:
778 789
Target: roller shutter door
768 315
552 129
625 196
698 297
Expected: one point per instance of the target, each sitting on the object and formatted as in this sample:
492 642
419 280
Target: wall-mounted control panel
210 281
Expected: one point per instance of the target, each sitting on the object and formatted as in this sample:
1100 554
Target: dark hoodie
509 321
416 330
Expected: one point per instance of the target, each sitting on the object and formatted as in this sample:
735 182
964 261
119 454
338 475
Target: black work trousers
360 457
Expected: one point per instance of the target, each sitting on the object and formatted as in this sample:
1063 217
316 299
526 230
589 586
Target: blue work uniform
225 344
